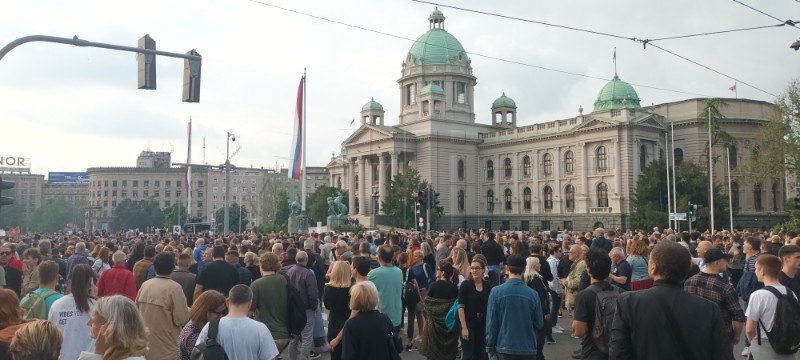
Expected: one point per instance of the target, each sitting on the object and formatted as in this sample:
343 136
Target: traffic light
692 209
147 64
435 198
191 78
422 199
6 185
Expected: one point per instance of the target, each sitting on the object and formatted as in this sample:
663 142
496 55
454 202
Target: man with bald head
702 247
573 281
304 281
80 256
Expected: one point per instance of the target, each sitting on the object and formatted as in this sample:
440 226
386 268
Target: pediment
366 134
650 121
596 123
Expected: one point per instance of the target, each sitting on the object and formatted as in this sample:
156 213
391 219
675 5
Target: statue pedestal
298 224
335 221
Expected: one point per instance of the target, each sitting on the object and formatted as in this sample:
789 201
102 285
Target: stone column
557 166
395 157
617 169
499 207
351 189
363 200
586 170
381 180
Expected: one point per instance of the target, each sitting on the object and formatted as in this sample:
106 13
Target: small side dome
616 95
372 105
432 89
436 14
504 101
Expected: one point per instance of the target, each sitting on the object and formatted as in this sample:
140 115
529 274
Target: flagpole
710 174
669 196
674 170
189 172
730 199
303 155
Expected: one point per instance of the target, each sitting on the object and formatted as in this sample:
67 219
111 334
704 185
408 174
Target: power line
515 62
716 32
787 22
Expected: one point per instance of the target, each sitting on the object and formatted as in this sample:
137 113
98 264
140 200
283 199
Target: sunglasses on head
5 253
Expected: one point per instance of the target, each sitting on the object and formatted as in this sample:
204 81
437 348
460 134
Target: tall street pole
710 174
226 225
674 170
730 199
669 193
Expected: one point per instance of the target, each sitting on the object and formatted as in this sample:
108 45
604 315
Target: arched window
757 197
339 182
526 165
547 164
460 169
601 158
735 195
602 195
775 196
547 196
490 200
461 200
642 157
569 197
490 169
507 199
734 161
507 167
526 198
569 162
677 156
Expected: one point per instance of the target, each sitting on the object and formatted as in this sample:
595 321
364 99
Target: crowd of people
474 294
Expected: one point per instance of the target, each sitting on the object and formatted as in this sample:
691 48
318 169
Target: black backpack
605 307
785 334
296 309
210 350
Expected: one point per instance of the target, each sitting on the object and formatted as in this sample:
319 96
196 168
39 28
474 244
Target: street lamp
226 225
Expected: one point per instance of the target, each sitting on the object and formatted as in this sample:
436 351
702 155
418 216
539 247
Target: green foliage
138 214
235 222
353 228
318 203
269 228
718 135
282 210
401 197
776 148
55 215
175 215
13 215
650 202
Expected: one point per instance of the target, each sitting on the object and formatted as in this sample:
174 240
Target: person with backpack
72 312
749 282
38 302
773 315
594 307
238 336
664 321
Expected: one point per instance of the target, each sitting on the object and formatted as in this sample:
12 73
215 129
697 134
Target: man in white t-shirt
242 338
761 309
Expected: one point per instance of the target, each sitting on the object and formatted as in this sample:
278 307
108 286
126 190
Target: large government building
574 173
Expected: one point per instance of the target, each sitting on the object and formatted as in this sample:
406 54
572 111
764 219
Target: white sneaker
557 331
746 351
561 329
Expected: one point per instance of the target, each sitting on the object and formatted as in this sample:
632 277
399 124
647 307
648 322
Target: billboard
67 177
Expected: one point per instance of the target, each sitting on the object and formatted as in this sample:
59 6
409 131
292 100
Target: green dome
431 89
615 95
437 46
504 101
436 14
372 105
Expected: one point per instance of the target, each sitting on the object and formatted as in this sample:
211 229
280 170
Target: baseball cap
714 254
516 261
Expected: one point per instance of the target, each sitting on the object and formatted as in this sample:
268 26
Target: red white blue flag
296 154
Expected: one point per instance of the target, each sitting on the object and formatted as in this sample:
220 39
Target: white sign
677 216
14 161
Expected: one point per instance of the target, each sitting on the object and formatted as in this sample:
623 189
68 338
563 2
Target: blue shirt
624 269
513 317
639 267
389 281
48 302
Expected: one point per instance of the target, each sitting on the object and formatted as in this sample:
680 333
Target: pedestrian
217 275
210 305
118 330
637 257
143 269
337 301
47 276
439 342
184 278
622 274
39 340
600 240
13 276
31 258
388 279
270 299
162 304
473 300
536 281
588 323
573 281
71 314
421 275
556 292
102 262
790 257
80 256
749 283
118 280
305 282
232 257
368 335
761 310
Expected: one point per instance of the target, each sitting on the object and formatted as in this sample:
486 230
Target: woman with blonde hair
367 334
460 263
337 301
118 329
38 339
535 281
207 307
252 265
637 257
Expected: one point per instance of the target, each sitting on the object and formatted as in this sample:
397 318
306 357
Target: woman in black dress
473 299
337 301
367 336
536 282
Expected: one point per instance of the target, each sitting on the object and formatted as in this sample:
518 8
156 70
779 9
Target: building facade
27 192
574 173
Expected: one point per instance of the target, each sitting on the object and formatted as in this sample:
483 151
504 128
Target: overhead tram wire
787 22
644 42
515 62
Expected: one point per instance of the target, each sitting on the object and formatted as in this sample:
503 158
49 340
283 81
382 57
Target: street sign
677 216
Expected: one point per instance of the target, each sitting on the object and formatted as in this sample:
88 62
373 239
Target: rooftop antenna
204 151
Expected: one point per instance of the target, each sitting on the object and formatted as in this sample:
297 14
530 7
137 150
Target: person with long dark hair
138 254
440 343
72 312
473 299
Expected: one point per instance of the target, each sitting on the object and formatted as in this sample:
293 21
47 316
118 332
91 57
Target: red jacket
117 280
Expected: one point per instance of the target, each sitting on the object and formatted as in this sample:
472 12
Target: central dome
615 95
437 46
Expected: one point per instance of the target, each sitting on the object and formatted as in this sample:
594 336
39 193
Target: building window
569 197
105 183
356 182
411 94
114 193
461 200
660 154
200 184
157 183
602 195
146 193
507 167
547 164
601 158
615 113
525 225
490 170
775 196
167 193
508 199
156 193
732 155
147 183
526 165
547 193
135 193
459 92
167 183
735 195
642 157
135 183
124 193
569 162
677 156
124 183
526 198
490 200
178 183
545 225
757 197
177 193
460 169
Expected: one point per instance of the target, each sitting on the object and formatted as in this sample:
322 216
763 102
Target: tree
175 215
401 197
236 223
54 216
650 201
139 214
776 148
318 203
13 215
282 209
265 205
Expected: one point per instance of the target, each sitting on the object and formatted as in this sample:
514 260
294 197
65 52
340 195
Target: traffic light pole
428 210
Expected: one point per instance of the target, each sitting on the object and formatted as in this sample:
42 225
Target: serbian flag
187 172
296 154
733 88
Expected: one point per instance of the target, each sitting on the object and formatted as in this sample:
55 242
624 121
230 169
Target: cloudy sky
69 108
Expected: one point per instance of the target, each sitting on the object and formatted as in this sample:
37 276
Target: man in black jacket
493 253
665 322
600 240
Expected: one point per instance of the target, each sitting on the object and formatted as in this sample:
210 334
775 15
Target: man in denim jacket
514 316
